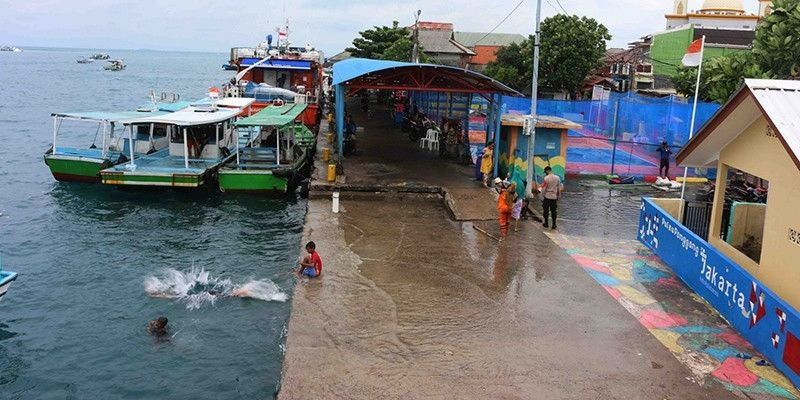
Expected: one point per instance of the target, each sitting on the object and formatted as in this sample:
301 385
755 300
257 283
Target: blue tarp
277 64
352 68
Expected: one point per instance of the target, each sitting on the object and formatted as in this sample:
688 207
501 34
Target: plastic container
331 172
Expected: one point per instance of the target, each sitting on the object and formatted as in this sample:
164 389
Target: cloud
213 25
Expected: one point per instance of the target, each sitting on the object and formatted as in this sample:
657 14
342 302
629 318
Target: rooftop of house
777 100
441 41
472 39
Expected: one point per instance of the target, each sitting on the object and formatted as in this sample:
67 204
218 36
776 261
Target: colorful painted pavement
682 321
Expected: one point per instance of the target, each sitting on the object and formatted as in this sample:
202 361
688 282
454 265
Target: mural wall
764 319
550 149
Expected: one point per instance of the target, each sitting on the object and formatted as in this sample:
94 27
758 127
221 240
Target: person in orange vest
504 204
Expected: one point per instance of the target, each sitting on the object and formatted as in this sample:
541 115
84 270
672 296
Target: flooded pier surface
412 304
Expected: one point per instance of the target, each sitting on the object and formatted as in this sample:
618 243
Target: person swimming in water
158 327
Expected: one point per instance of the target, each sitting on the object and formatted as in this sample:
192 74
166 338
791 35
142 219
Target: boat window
177 135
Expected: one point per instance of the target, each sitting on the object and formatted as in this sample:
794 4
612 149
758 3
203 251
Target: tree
571 48
385 43
721 76
777 41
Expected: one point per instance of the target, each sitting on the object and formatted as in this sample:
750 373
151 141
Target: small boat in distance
84 60
11 49
230 67
6 277
100 56
115 65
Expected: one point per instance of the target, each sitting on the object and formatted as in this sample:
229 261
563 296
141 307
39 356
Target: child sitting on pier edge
311 265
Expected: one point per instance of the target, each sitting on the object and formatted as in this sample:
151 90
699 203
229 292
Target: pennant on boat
694 54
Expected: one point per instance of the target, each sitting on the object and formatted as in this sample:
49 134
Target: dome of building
723 5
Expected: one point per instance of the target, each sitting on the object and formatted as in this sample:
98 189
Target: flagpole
694 112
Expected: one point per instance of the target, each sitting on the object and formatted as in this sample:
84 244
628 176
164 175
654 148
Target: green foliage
777 42
385 43
775 55
571 48
721 77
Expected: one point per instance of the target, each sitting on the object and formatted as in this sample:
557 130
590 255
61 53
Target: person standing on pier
551 190
486 163
504 205
664 152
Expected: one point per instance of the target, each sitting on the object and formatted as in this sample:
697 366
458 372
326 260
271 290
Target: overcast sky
214 25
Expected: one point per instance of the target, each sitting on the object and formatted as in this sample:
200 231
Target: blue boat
6 277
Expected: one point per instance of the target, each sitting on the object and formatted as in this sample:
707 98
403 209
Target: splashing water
197 287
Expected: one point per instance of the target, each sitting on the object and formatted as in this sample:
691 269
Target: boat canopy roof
232 102
111 116
274 115
190 116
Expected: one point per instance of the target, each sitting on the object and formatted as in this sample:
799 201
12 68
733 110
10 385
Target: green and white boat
76 164
273 151
199 142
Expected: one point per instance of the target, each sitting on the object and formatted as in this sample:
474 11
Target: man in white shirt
551 191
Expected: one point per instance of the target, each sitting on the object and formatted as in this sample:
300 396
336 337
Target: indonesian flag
693 54
281 34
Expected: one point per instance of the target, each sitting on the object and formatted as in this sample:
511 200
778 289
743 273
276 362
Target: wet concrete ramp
471 204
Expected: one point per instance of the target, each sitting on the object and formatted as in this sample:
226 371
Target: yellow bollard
329 136
331 172
326 154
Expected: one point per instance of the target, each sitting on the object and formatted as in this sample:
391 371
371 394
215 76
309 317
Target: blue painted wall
761 317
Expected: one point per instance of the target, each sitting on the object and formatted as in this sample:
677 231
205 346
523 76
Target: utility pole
534 94
415 51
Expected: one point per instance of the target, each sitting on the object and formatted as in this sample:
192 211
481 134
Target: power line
501 22
562 7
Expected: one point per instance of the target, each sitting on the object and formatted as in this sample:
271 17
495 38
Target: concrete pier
414 303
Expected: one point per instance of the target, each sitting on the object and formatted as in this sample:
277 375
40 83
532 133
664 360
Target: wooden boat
200 138
75 164
115 65
273 151
6 278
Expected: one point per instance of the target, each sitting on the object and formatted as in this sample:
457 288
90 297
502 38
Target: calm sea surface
73 324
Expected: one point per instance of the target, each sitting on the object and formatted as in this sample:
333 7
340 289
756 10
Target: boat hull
6 279
75 169
254 181
126 178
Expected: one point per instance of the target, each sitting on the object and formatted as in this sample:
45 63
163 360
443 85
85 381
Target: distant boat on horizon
84 60
11 49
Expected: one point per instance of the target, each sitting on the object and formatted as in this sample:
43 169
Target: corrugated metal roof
778 99
470 39
440 42
274 115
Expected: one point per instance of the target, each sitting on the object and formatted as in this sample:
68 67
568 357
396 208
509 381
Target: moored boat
279 74
83 164
273 151
84 60
100 56
200 139
6 278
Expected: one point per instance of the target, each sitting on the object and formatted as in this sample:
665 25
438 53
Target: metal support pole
185 150
55 133
130 142
694 111
339 98
534 100
216 128
496 123
105 126
236 137
152 128
278 148
614 136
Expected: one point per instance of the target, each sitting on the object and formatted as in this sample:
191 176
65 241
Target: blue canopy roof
377 73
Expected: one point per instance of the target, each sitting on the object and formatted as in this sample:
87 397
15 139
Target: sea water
97 263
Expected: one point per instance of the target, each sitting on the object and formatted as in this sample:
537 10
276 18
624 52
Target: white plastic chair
431 140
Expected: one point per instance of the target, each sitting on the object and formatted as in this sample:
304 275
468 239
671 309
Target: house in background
728 28
485 46
438 42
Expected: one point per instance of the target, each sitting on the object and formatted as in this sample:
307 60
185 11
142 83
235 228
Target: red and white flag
694 54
